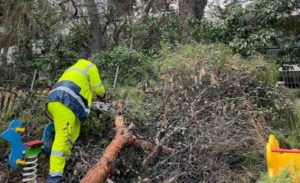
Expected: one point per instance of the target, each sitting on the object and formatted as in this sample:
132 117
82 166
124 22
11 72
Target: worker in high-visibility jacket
69 104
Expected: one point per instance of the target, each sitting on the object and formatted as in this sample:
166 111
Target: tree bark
187 8
95 26
105 165
199 7
148 6
124 6
192 8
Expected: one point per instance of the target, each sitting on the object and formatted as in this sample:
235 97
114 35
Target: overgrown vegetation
217 111
131 67
50 45
252 28
197 82
281 178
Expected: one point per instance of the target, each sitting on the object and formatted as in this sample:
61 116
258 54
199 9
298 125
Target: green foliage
79 38
134 66
35 29
217 59
97 124
3 145
170 30
214 56
136 106
295 92
250 159
150 35
144 31
293 138
207 31
32 114
289 121
26 24
248 30
283 177
266 73
171 60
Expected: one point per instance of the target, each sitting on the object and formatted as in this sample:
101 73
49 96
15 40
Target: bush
217 57
134 66
152 34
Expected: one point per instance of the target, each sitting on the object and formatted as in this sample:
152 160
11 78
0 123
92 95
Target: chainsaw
101 105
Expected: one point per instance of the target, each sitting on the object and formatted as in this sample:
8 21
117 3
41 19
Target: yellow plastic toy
280 159
20 130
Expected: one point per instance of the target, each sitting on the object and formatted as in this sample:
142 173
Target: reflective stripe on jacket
76 86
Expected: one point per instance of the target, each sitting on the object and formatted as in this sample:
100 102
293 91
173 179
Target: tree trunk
105 165
192 8
186 8
189 8
199 7
148 6
95 26
124 6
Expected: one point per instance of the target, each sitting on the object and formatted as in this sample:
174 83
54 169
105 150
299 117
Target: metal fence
289 62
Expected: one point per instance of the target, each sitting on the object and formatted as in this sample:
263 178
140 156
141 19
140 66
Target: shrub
134 66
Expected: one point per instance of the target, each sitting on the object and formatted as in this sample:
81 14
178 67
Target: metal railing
289 62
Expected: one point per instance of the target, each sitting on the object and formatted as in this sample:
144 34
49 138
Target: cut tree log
104 167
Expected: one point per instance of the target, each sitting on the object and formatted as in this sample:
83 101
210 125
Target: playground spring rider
26 154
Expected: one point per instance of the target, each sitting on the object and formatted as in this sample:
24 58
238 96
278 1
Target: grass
294 133
293 136
283 177
135 105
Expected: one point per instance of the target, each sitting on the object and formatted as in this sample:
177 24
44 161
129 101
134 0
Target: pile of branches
215 113
218 121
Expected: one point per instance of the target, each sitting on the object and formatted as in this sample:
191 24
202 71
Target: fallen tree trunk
105 165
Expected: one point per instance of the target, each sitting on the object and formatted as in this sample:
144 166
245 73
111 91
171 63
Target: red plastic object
286 150
33 143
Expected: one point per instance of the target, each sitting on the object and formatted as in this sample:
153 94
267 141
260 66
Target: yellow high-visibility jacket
76 86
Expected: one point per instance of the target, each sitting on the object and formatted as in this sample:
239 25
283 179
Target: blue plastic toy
26 154
13 136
